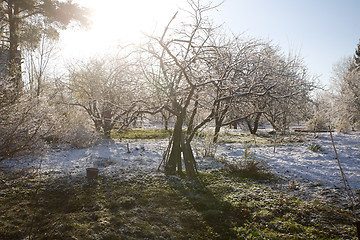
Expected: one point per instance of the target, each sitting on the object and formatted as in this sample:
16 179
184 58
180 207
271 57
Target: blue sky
322 31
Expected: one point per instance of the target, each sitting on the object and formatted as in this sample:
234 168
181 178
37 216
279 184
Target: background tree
107 89
226 64
356 61
18 26
347 85
37 59
289 100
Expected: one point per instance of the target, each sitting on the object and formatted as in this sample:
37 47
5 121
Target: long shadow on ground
221 216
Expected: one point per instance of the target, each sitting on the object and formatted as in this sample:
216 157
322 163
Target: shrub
250 167
343 125
21 125
70 127
315 148
205 147
317 123
27 124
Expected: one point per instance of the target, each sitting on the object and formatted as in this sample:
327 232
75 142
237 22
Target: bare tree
200 77
228 64
107 89
177 67
289 99
36 62
347 92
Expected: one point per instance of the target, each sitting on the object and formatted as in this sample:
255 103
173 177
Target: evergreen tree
23 20
356 63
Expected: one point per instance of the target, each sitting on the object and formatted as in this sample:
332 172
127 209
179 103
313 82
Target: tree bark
180 144
253 129
216 133
175 154
166 124
14 63
189 159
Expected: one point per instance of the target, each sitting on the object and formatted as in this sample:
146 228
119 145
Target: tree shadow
221 216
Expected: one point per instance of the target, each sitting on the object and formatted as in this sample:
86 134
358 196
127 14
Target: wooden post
275 142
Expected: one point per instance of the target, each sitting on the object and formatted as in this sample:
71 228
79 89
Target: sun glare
118 21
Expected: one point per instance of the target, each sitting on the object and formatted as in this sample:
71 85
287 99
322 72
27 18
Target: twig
347 187
275 136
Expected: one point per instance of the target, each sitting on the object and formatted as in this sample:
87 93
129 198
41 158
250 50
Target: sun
118 21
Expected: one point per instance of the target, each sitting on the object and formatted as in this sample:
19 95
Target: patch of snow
294 161
297 161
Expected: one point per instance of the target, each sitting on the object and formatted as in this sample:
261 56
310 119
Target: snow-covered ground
297 161
292 161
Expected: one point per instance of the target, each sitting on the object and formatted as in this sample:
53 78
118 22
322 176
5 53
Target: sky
322 32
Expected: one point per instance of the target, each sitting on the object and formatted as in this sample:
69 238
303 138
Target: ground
297 198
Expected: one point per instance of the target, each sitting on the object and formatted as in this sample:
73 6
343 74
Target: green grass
260 138
217 205
246 138
142 134
315 148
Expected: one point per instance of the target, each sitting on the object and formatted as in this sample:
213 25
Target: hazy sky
321 31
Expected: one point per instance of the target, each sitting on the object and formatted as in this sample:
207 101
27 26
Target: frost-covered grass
245 191
141 134
217 205
245 138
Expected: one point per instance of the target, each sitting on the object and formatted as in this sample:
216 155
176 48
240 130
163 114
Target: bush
343 125
70 126
21 122
249 167
28 123
204 145
315 148
317 123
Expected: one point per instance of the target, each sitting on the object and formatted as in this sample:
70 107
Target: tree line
192 73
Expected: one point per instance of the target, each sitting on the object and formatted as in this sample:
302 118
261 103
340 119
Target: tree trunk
14 63
107 133
166 124
189 159
180 144
219 118
253 129
175 154
107 127
216 133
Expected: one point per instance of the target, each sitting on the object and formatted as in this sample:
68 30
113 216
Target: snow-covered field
291 161
297 161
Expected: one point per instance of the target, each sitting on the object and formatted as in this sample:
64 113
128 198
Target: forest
193 134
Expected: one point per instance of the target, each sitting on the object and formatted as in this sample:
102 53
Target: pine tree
17 21
356 63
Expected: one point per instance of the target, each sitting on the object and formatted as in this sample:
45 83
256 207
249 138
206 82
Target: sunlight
115 21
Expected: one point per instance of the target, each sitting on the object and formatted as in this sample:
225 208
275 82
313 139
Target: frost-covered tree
289 100
200 76
278 86
107 89
356 60
347 86
229 64
175 63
